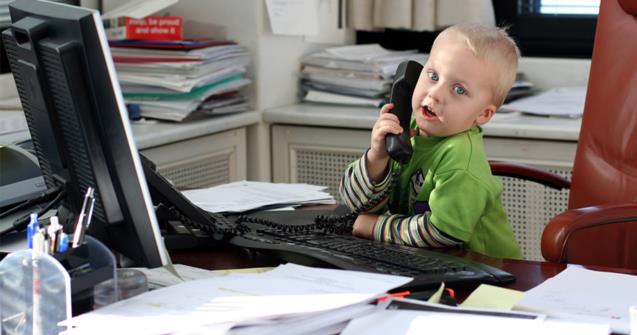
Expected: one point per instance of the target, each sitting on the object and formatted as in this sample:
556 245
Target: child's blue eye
433 76
459 90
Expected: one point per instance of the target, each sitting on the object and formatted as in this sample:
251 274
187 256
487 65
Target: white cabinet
202 161
200 153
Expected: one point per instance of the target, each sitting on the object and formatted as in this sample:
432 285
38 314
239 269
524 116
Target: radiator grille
202 171
323 168
530 206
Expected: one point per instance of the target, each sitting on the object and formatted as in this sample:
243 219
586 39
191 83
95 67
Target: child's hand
387 123
364 226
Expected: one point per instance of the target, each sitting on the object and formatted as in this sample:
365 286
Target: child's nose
435 93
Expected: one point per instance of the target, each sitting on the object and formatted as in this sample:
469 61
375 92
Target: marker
32 228
63 243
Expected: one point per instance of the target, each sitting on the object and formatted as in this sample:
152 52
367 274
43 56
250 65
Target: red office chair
600 225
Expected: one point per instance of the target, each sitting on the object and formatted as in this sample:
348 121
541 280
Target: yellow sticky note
435 298
488 296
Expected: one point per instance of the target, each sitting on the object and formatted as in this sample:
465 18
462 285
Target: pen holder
38 290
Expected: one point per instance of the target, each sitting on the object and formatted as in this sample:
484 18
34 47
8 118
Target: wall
275 61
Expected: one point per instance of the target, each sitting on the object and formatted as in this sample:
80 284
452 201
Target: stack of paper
577 294
352 75
171 79
244 195
290 299
411 317
558 101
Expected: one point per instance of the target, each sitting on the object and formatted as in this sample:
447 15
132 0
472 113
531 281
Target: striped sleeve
416 231
357 189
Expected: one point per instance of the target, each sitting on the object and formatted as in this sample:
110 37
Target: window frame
553 35
537 35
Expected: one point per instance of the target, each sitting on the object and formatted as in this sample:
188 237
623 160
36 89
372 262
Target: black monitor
66 80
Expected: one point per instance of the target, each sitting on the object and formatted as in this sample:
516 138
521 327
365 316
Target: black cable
48 194
327 223
22 222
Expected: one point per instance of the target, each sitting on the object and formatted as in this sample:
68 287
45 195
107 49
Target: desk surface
514 125
158 133
528 273
147 135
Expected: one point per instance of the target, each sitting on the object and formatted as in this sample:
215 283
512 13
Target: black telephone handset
405 79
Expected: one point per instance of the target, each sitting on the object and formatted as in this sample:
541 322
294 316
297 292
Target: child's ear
486 115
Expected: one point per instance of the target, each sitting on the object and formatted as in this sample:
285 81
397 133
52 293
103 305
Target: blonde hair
492 45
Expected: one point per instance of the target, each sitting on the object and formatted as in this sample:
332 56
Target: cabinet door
203 161
315 155
530 206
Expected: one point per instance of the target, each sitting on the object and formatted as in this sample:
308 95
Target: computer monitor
66 80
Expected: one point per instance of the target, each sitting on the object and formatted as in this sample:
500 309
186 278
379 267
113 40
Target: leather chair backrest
605 168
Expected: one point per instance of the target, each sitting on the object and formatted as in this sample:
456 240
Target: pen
53 230
82 232
393 295
79 225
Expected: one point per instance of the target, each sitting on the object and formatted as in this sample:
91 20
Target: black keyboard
428 268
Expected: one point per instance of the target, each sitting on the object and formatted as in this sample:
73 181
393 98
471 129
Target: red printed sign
155 28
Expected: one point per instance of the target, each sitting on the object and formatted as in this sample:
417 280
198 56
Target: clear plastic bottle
130 282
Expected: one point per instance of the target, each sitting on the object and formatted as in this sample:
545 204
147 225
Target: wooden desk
528 273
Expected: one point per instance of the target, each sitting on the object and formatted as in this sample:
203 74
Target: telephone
405 79
172 208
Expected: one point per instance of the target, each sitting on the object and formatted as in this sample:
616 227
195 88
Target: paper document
238 299
559 101
340 99
398 322
244 195
293 17
585 295
407 316
365 52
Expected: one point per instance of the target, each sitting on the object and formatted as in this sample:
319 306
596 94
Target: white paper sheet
283 292
558 101
246 195
584 295
293 17
398 322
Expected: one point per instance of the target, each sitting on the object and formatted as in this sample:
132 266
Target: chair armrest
598 235
528 172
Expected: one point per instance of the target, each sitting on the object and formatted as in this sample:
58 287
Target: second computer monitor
76 115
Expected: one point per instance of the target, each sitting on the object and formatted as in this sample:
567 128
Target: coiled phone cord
338 224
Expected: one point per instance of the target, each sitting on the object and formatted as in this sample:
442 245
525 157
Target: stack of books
169 80
352 75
